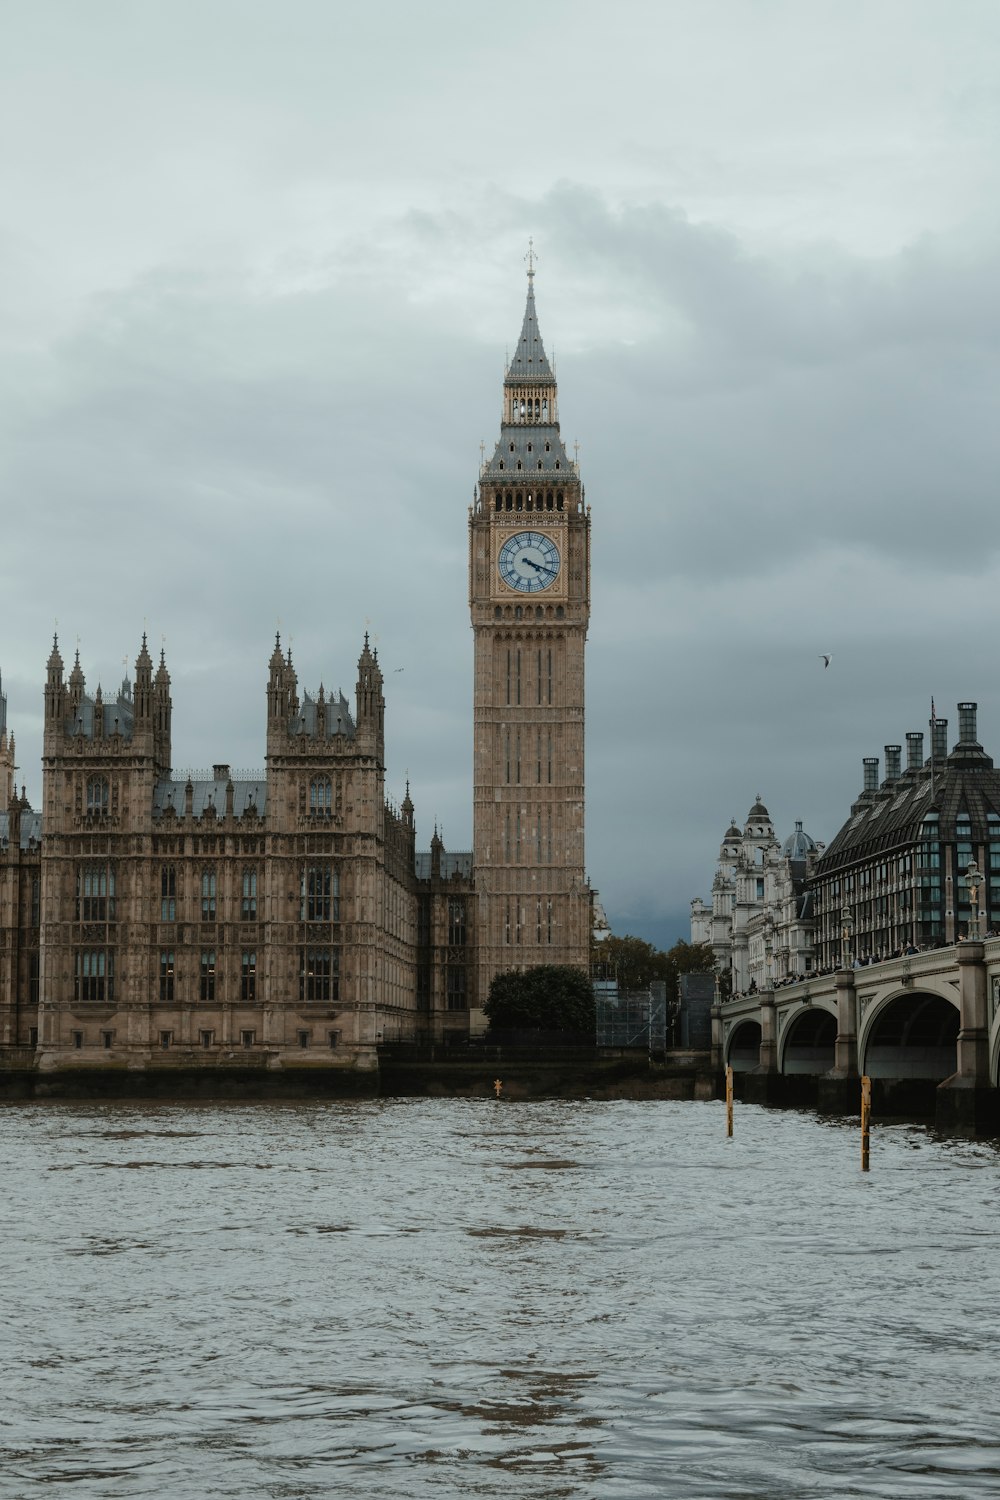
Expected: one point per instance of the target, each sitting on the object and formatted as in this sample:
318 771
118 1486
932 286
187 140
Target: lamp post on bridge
974 879
846 928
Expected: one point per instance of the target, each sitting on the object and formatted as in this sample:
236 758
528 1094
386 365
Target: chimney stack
915 750
967 724
893 757
870 764
939 740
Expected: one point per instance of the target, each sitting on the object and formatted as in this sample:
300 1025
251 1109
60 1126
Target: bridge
932 1016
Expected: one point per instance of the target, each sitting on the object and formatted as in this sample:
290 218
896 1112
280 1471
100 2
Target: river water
481 1299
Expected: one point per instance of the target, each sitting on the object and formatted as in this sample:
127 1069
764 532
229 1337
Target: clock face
529 562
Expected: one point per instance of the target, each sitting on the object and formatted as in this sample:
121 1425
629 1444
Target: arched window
319 796
97 795
95 893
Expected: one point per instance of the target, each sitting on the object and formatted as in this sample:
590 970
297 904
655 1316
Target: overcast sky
260 262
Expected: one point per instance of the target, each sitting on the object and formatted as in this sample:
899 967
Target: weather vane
531 258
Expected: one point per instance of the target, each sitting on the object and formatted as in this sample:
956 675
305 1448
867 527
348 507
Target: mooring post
729 1100
866 1109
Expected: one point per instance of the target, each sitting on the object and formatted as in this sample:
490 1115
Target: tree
635 964
687 958
631 961
549 997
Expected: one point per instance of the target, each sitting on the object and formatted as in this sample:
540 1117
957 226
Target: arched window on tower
97 795
95 893
320 796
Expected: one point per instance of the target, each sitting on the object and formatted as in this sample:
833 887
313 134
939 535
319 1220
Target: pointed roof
144 662
530 362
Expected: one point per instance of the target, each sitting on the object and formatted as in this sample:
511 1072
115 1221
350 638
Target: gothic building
529 592
287 919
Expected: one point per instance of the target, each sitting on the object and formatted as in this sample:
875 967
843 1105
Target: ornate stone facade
760 923
529 595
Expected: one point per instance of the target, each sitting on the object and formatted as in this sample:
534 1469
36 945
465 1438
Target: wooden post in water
866 1109
729 1100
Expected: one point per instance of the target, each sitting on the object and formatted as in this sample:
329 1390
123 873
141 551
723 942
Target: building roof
115 716
530 362
893 816
336 711
798 844
451 864
530 448
31 829
208 794
536 447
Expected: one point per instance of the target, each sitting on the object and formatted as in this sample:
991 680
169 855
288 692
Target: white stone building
759 923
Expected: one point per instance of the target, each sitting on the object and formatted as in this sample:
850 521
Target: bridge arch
742 1046
806 1038
910 1032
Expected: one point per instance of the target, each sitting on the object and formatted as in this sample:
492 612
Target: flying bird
826 660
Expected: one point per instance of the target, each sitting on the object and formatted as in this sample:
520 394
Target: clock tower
529 593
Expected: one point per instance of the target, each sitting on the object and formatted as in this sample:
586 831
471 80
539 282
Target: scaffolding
635 1020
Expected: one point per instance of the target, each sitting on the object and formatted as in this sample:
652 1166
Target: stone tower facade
529 594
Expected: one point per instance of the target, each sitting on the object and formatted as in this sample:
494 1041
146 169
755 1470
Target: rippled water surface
466 1298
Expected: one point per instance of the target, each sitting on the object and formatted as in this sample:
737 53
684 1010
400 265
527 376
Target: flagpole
933 744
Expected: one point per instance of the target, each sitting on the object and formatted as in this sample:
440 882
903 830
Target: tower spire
530 362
